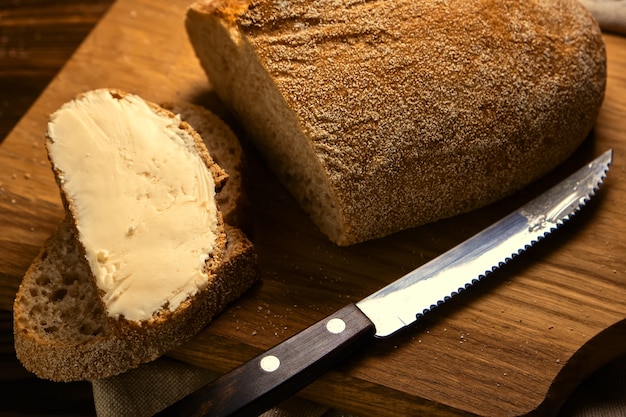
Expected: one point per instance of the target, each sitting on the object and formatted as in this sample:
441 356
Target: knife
283 370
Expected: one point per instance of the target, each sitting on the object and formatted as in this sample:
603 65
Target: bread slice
140 187
226 151
62 331
379 116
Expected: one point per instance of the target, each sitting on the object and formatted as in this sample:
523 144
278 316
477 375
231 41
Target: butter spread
143 200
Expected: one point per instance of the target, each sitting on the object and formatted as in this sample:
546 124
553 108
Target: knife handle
264 381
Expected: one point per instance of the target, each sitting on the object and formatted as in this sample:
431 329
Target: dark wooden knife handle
264 381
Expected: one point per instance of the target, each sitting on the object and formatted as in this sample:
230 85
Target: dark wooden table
36 38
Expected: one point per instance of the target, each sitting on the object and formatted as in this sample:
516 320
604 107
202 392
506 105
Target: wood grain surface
516 344
37 37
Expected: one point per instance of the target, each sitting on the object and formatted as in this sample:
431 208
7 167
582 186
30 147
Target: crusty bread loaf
379 116
139 186
62 331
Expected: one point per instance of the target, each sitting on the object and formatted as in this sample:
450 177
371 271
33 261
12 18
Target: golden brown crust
163 319
455 106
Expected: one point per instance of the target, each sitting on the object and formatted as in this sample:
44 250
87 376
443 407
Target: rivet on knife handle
259 384
283 370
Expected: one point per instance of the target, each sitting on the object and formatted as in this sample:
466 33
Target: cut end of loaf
235 71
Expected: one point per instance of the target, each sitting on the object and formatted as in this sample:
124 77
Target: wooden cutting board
515 344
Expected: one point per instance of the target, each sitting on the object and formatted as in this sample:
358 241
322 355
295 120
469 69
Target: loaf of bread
380 116
63 329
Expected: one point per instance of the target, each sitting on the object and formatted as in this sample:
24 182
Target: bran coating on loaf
457 104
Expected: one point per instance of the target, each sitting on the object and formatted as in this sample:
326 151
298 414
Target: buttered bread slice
140 187
71 323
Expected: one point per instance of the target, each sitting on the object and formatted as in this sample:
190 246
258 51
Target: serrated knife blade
400 303
262 382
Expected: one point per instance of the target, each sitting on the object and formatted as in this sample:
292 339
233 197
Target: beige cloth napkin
151 387
601 395
610 14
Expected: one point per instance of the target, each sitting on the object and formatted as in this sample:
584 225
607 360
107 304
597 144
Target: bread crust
456 105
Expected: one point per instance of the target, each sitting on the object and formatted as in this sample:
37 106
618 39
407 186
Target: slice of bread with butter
380 116
142 260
